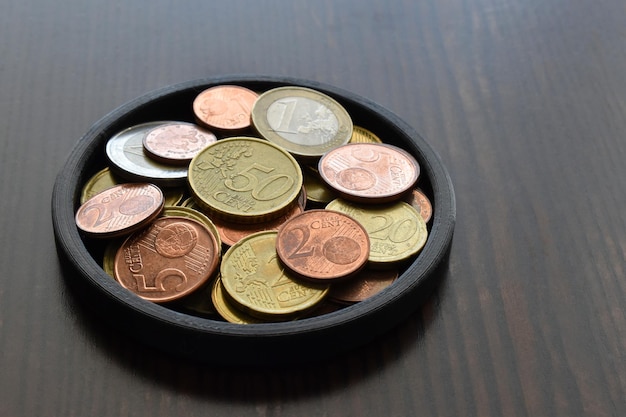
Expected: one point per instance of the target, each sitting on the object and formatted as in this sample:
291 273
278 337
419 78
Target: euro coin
177 142
231 233
224 107
171 258
362 135
366 284
129 160
244 180
190 213
396 230
305 122
255 280
420 202
323 245
369 172
119 210
100 181
225 308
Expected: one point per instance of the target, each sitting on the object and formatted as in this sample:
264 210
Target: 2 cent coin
323 245
119 210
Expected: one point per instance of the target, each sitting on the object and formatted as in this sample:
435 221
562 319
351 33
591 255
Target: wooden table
525 102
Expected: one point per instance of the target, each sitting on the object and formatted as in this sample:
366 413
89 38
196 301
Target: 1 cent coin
323 245
171 258
369 172
119 210
176 143
224 107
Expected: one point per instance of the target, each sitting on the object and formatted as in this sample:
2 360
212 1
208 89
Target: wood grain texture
525 101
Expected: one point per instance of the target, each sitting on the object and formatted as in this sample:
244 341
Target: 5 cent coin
369 172
171 258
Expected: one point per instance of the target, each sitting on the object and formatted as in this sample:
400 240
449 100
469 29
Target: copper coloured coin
323 245
369 172
224 107
176 143
119 210
231 233
168 260
366 284
418 200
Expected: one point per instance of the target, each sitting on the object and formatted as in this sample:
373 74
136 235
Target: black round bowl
216 341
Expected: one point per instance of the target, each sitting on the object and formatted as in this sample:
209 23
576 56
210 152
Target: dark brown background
524 100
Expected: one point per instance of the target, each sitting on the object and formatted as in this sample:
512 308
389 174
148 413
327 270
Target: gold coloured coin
362 135
317 192
173 196
198 303
397 231
305 122
255 280
100 181
244 180
108 257
225 308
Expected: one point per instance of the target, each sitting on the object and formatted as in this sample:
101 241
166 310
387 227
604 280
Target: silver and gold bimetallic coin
397 231
305 122
129 160
254 279
244 180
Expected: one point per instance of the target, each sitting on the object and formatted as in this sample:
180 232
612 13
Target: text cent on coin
171 258
323 245
119 210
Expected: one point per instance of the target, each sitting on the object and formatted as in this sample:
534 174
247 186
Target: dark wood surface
525 101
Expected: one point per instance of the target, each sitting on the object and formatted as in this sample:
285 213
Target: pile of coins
271 206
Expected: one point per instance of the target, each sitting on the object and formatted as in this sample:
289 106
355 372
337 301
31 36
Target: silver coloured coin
129 160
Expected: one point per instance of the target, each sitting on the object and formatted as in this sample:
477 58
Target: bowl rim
376 315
